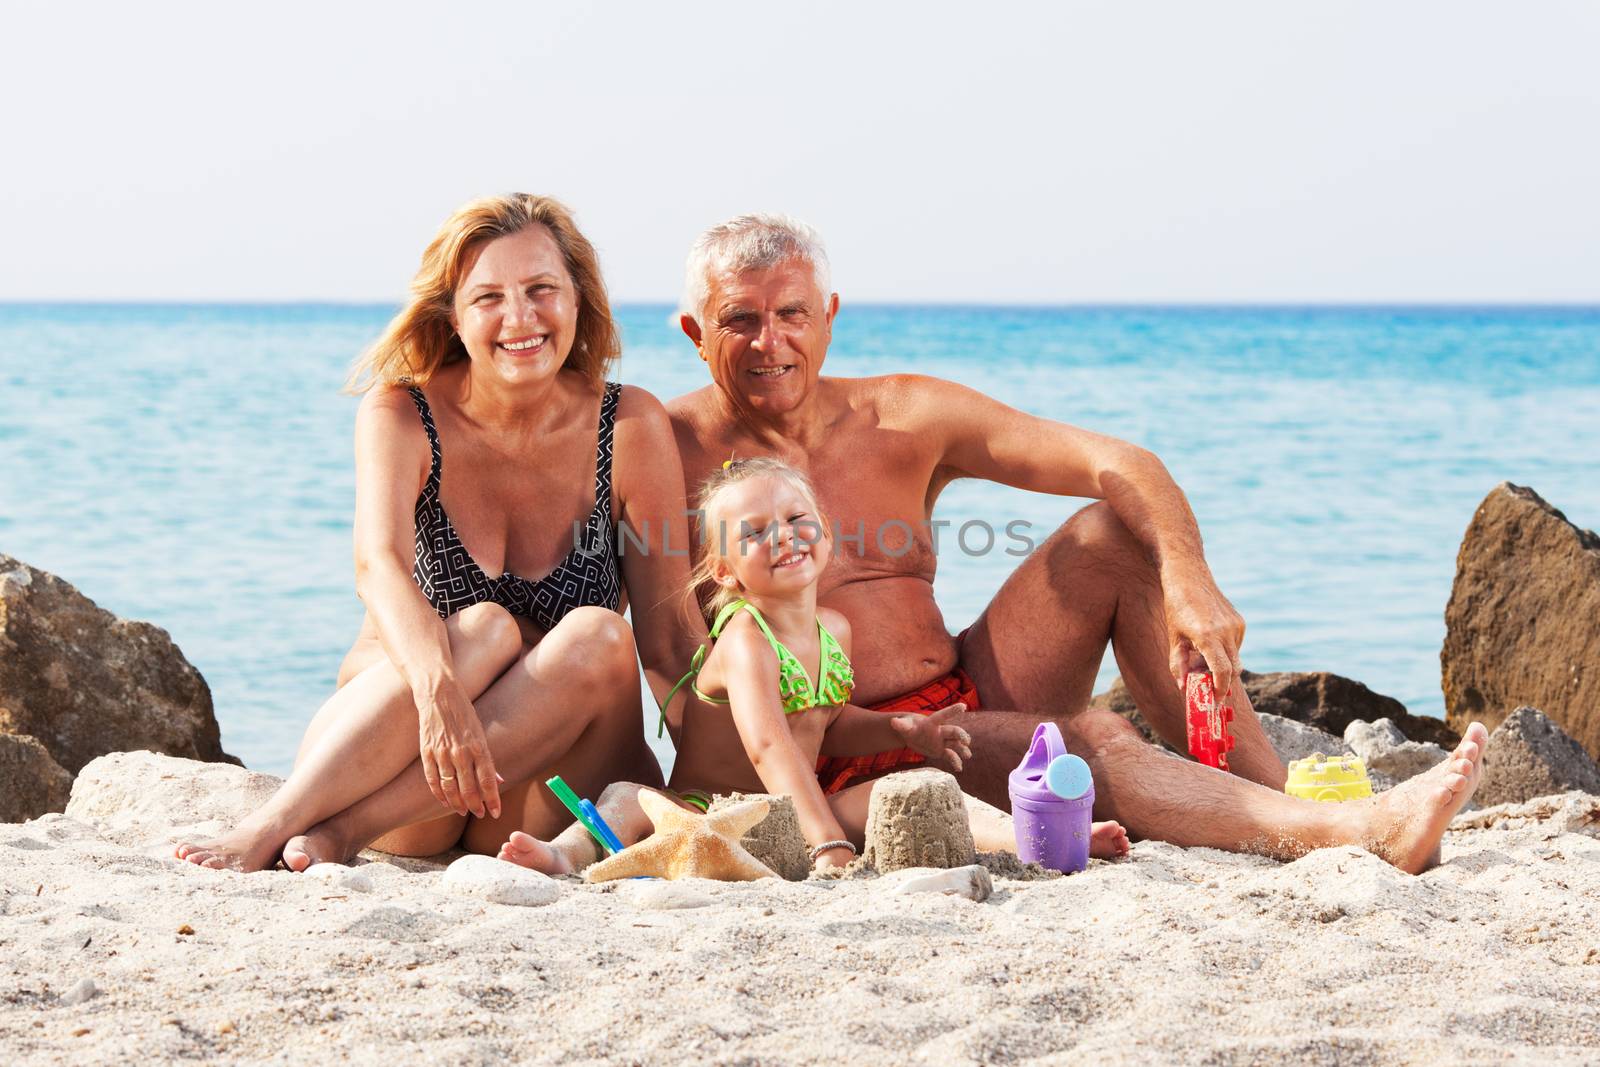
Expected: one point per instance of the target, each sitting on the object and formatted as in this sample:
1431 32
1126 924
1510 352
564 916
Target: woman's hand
936 736
455 753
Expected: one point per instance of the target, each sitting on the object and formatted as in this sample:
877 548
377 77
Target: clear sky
1049 153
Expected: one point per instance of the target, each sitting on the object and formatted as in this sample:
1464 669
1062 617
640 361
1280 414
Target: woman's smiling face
516 309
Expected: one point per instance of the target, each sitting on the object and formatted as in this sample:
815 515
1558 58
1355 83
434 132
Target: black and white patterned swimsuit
451 579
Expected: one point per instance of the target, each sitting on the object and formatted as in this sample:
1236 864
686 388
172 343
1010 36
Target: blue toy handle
612 841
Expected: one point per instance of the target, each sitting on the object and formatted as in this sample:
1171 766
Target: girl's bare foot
1108 840
1406 824
241 849
525 850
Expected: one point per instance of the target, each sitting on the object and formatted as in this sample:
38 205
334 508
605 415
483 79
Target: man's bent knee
1099 529
1095 731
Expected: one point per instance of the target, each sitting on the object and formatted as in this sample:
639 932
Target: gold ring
447 778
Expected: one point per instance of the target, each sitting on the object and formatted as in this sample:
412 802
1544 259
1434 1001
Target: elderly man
1129 569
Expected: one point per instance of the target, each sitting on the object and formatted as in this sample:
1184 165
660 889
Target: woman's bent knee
489 625
594 642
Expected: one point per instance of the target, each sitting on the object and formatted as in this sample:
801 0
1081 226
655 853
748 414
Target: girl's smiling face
768 538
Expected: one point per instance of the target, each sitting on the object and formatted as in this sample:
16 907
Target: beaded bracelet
826 845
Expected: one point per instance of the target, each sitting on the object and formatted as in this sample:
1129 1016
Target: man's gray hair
750 242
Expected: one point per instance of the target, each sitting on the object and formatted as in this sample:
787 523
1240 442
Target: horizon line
954 305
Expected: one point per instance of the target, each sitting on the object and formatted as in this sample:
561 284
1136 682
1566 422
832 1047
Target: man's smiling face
765 334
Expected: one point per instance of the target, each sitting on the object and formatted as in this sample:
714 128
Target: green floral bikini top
835 678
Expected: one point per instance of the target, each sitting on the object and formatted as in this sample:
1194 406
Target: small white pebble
495 880
351 878
664 896
83 990
971 882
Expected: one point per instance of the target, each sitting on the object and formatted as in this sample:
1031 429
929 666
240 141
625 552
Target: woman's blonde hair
421 339
711 594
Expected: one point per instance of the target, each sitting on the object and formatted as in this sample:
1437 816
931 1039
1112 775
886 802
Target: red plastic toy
1209 739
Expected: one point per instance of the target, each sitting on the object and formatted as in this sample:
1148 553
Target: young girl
781 665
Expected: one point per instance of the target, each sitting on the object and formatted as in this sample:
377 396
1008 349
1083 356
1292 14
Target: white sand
1170 955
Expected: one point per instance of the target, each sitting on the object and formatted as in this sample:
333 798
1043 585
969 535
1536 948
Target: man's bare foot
525 850
317 845
1108 840
240 849
1406 824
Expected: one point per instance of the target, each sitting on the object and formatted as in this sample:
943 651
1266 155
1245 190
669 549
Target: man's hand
1203 632
936 736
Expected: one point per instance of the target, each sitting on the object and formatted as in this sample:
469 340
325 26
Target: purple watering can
1052 801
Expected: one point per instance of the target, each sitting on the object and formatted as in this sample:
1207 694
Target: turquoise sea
192 465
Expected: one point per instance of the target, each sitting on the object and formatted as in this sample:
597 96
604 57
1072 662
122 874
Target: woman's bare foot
317 845
1406 824
1108 840
241 849
525 850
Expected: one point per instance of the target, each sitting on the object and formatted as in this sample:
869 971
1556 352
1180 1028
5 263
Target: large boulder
1387 753
144 799
1295 740
1529 756
31 783
85 682
1326 701
1521 625
1331 702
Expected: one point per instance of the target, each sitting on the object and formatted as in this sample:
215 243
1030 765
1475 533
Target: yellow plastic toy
1317 777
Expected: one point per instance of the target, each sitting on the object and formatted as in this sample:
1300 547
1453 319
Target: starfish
687 844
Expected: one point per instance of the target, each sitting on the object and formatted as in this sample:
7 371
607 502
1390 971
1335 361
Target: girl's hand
455 754
936 736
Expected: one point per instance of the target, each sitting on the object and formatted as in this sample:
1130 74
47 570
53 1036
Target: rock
85 682
658 895
918 819
337 874
31 783
143 798
775 840
1521 627
1565 813
1529 756
1331 703
84 989
1295 740
972 882
500 882
1386 751
1326 701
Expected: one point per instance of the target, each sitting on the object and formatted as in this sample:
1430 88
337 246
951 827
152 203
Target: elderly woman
490 448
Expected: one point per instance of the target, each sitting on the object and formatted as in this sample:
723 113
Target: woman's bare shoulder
387 405
640 412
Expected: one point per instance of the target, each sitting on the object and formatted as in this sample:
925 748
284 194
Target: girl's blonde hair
712 595
421 339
